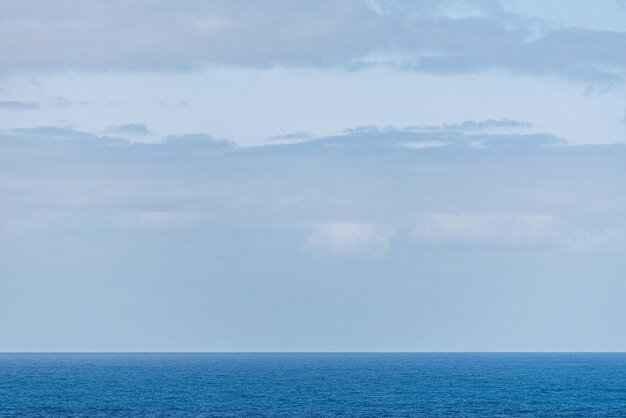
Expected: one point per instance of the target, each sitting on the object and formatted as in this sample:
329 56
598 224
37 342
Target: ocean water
292 385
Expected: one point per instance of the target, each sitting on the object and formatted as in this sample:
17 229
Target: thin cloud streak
18 105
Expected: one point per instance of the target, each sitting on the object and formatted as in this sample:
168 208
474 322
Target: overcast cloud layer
350 175
420 235
441 37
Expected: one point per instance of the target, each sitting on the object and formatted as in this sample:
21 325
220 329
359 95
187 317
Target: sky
354 175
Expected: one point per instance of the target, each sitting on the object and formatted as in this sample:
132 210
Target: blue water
313 385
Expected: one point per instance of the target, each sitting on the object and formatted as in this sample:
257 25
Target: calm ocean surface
290 385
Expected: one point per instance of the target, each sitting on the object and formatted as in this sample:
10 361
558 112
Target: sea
313 385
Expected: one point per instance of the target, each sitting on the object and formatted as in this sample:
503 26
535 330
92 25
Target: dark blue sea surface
291 385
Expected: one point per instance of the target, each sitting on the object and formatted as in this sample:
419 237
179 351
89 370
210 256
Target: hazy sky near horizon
354 175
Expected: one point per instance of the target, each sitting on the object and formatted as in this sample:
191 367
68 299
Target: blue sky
312 176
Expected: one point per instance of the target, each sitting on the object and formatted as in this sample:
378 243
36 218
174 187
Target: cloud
489 135
138 129
359 191
323 232
443 37
435 8
490 124
293 137
18 105
350 239
60 101
196 141
516 230
159 220
118 143
115 139
58 136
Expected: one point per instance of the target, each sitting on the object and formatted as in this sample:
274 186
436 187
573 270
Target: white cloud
506 230
350 239
159 220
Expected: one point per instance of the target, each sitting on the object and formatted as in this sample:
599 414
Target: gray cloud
325 224
293 136
128 129
473 125
196 141
494 123
53 133
60 101
434 37
18 105
468 136
471 187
